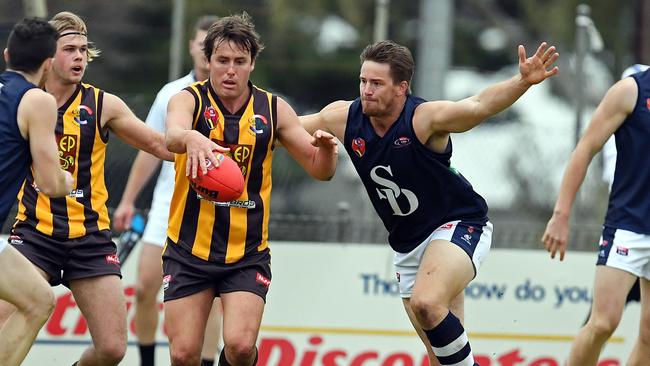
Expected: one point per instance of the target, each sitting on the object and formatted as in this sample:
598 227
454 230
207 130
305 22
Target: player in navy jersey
401 148
27 119
624 251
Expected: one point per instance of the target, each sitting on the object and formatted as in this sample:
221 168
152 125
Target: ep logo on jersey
392 192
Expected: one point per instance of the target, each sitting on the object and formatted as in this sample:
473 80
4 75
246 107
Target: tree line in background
135 38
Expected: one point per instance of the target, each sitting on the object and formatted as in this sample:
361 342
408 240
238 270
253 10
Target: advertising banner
338 305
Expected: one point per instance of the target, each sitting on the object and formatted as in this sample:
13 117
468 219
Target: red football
220 184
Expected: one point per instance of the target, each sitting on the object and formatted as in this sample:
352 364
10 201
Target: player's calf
450 343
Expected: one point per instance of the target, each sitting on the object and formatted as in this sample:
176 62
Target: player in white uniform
150 268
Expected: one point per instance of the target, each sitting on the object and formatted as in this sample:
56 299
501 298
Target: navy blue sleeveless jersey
15 157
413 189
629 200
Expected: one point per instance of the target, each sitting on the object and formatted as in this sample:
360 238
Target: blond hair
67 21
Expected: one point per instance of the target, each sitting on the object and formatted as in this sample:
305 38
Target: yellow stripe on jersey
99 191
179 197
265 191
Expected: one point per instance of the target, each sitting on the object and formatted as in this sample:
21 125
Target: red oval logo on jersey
359 146
211 117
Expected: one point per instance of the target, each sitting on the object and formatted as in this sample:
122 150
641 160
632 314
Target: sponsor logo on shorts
262 280
604 243
15 239
166 280
398 276
467 238
470 229
622 251
445 227
113 259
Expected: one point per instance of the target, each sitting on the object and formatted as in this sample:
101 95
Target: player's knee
604 327
181 356
111 352
429 310
145 291
40 307
240 350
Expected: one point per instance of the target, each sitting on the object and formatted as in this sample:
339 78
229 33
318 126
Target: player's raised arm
617 104
181 138
39 123
317 153
447 116
330 119
129 128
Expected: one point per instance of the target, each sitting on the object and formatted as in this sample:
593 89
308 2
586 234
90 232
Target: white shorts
625 250
155 232
475 238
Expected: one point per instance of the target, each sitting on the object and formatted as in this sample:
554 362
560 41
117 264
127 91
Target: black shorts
64 260
185 274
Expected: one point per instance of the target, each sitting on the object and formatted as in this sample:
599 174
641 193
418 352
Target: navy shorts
64 260
185 274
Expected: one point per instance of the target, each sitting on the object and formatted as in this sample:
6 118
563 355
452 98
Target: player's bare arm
331 118
181 138
442 117
317 153
617 104
120 119
37 125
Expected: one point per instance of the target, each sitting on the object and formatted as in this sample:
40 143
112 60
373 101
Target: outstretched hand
539 66
321 138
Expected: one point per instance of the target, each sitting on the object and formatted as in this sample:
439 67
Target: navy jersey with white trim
15 156
629 199
413 189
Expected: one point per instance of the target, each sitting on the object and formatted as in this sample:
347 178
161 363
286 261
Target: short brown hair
236 28
67 21
398 57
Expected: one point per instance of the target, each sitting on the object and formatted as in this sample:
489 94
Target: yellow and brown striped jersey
82 150
227 232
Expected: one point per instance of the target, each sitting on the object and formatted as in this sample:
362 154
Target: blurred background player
69 238
609 166
400 146
27 120
150 267
222 250
624 251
